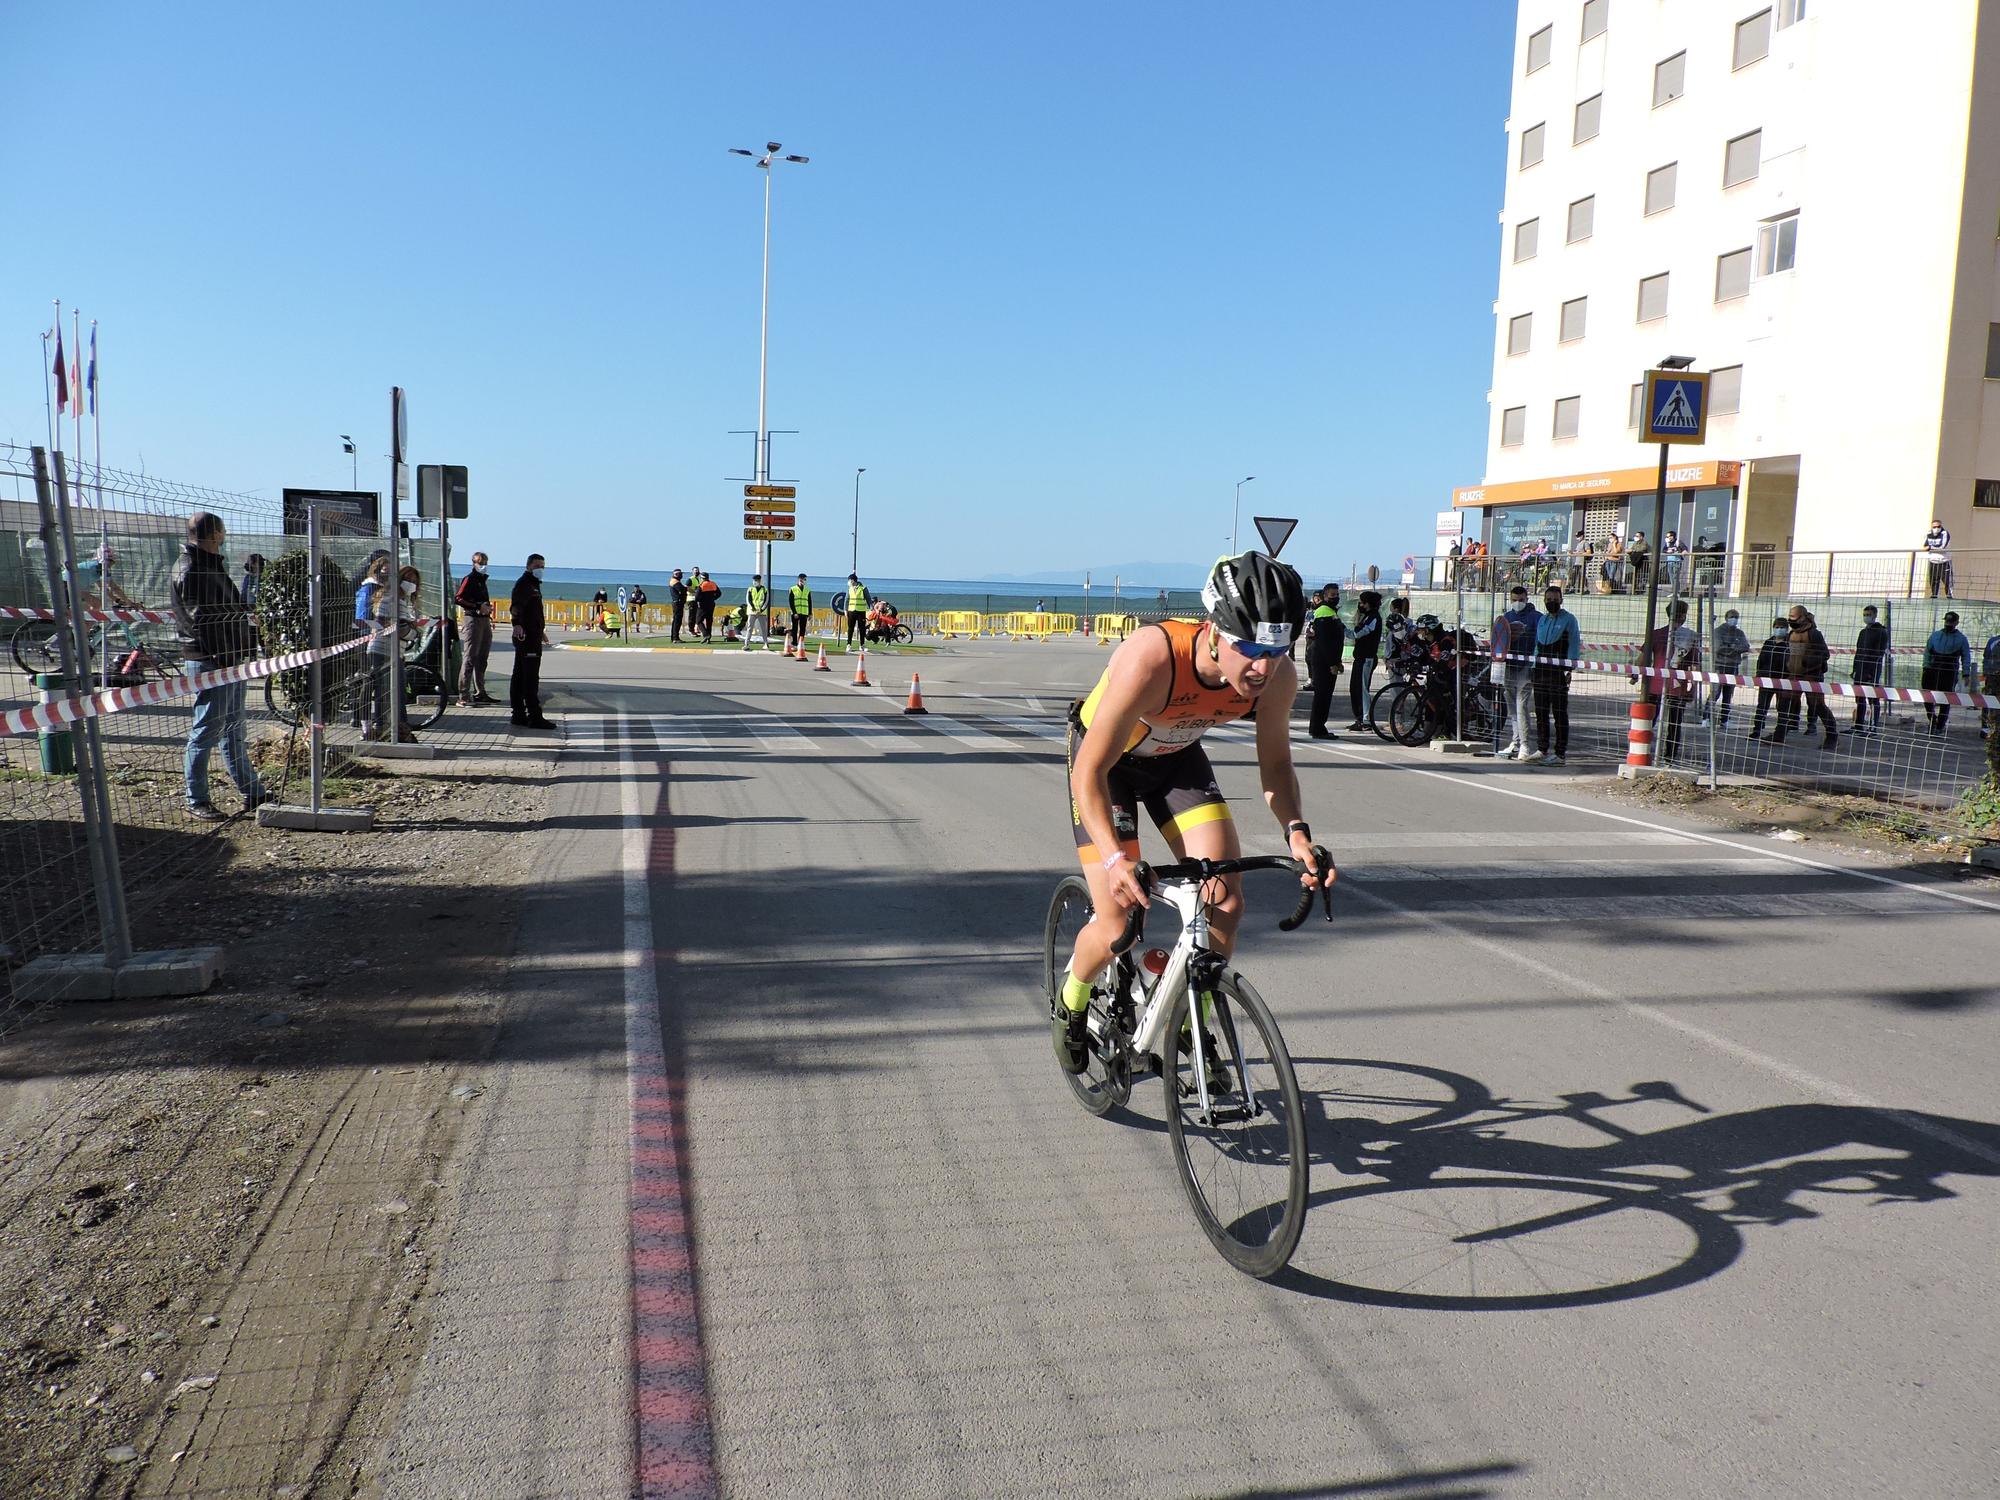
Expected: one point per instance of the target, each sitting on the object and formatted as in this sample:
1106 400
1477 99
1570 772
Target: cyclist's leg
1093 944
1194 817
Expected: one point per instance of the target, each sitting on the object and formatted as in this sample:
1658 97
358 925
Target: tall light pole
1236 515
353 462
854 557
767 164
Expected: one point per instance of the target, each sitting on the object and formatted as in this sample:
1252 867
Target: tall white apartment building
1805 197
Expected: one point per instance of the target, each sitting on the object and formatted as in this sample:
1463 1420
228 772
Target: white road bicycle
1232 1103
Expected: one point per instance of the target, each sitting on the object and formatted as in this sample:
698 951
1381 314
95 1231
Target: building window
1582 217
1531 146
1567 410
1725 390
1595 17
1519 331
1573 315
1993 351
1753 39
1538 49
1740 158
1653 298
1513 426
1778 244
1670 79
1660 183
1986 494
1638 405
1586 119
1527 236
1732 275
1790 11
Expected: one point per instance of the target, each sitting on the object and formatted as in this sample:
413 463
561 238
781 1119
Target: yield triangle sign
1276 531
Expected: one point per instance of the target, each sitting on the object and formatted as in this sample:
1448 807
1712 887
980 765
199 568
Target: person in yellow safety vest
802 608
757 606
857 608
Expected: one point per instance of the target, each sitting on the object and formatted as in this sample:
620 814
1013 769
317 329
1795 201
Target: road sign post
1675 411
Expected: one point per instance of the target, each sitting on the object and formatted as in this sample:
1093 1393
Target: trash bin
58 749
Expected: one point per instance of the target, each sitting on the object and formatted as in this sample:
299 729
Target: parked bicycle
37 649
1232 1101
349 683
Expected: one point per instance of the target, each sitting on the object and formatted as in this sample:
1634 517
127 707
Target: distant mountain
1168 575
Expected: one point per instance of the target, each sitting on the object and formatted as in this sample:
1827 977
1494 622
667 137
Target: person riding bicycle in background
1136 739
94 586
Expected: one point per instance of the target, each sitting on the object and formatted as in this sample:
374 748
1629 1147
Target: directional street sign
1276 531
769 534
771 491
760 518
773 507
1676 409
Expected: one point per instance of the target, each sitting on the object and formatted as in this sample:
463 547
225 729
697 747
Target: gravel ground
154 1156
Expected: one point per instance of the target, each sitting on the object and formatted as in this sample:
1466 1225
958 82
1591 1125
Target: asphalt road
1732 1100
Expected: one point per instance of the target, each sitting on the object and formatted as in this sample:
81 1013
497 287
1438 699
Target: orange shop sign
1713 474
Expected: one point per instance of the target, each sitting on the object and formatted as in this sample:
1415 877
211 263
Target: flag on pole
76 379
62 377
90 376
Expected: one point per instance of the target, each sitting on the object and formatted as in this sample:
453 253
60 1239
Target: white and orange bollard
1638 741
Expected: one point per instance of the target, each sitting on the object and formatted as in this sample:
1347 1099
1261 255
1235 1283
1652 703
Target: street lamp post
1236 515
766 163
353 462
854 556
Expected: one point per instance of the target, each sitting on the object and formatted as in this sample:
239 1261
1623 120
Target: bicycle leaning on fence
1232 1102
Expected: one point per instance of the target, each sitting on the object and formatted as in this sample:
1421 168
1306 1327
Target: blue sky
1058 275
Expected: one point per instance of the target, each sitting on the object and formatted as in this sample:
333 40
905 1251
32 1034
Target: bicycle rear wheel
424 691
1243 1163
1378 706
36 649
1097 1088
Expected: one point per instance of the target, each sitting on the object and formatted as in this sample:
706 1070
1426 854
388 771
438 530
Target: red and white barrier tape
1781 684
113 700
29 612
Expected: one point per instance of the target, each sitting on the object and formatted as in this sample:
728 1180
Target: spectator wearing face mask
1771 663
1326 638
1946 654
214 631
1514 639
1937 554
531 636
475 632
1871 655
1367 641
1806 658
395 612
1728 648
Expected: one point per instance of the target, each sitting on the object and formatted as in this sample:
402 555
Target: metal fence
1756 573
96 708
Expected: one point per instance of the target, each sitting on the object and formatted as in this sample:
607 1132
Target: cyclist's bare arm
1136 681
1274 759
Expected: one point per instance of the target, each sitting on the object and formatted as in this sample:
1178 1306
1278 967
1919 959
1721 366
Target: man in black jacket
475 632
1326 641
1871 651
531 634
214 631
677 596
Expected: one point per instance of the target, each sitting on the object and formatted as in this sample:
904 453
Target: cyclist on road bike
1136 739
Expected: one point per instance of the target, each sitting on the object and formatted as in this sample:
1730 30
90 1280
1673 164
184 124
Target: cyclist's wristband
1299 825
1111 859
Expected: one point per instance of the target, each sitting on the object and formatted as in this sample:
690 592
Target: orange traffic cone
861 669
916 704
822 667
803 655
788 645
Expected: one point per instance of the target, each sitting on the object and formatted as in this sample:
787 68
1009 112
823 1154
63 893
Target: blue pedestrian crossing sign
1676 409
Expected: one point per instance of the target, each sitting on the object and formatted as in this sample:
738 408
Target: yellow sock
1075 992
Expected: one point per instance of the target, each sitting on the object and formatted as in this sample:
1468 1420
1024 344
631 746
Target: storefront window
1516 525
1707 532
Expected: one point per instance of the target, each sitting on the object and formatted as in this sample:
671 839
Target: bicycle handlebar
1191 871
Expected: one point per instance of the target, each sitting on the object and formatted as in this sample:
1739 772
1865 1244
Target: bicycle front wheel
1097 1088
1378 706
1242 1158
425 691
1412 720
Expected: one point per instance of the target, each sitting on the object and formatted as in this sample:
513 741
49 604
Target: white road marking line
776 735
1942 893
966 734
1594 838
1040 729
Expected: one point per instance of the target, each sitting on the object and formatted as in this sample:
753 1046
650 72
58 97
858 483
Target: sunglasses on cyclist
1255 651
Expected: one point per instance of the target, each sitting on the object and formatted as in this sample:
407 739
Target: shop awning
1713 474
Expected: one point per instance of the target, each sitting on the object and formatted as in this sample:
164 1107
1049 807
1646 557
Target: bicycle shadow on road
1443 1203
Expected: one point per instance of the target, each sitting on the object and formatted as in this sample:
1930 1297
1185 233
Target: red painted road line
673 1442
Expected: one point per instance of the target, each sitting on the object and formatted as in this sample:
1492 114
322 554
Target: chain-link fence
121 752
1882 696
